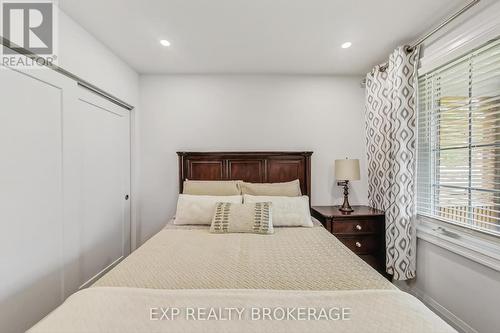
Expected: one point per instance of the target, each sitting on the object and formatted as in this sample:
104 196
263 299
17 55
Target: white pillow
199 209
287 211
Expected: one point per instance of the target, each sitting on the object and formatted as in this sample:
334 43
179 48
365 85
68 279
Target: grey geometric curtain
391 138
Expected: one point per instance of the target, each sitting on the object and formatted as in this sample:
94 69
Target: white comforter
185 257
127 310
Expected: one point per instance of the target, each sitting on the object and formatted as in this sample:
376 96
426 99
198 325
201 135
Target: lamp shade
347 169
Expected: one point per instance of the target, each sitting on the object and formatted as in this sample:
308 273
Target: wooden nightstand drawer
362 231
361 244
362 226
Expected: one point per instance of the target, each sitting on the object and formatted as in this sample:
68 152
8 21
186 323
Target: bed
184 270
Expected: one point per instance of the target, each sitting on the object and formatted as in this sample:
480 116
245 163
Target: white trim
438 309
461 242
134 180
475 32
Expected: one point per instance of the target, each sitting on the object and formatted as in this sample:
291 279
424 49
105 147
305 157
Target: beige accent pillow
250 218
212 187
199 209
287 211
288 189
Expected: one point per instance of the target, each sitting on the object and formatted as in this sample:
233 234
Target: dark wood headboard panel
255 167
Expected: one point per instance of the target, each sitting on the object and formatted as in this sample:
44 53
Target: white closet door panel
30 197
97 174
64 174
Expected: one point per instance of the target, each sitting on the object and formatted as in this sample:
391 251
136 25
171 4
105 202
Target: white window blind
458 158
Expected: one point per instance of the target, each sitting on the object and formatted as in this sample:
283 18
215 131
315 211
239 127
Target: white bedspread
129 310
189 257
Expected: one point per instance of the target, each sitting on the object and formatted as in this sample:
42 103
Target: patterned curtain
391 137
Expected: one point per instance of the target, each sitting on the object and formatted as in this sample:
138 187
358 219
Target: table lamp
346 170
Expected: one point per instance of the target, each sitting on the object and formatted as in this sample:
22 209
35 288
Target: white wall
462 291
80 53
254 112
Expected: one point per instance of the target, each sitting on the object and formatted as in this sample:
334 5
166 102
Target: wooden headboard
255 167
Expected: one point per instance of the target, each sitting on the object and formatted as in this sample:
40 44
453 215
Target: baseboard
440 310
100 274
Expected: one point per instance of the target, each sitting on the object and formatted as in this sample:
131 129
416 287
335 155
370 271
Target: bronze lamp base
346 207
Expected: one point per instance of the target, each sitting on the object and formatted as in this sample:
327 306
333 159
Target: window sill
483 250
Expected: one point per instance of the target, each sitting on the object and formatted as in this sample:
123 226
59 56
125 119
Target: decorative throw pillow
199 209
251 218
288 189
212 187
287 211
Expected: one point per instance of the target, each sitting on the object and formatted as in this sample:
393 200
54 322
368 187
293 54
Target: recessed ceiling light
164 42
346 45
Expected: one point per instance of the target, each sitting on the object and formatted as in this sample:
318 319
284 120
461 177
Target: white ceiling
256 36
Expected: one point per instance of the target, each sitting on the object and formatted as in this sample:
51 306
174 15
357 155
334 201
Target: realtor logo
28 26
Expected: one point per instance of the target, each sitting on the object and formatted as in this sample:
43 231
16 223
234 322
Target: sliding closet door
31 204
97 187
64 187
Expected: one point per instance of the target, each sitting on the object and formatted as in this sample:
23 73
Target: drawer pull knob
358 244
358 227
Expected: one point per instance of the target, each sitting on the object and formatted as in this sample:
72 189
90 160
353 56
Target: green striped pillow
249 217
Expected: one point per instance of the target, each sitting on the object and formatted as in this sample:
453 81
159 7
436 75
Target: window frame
434 158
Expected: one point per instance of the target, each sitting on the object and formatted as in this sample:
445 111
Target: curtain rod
444 23
420 40
81 82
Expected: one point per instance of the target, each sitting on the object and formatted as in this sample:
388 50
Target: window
458 158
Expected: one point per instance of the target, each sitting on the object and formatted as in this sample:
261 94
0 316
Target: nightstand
362 231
